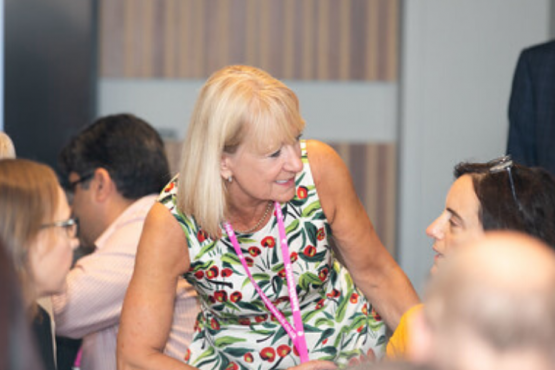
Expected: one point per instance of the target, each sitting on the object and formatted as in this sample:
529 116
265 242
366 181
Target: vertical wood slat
309 39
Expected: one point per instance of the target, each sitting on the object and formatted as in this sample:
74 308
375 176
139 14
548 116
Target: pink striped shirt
91 305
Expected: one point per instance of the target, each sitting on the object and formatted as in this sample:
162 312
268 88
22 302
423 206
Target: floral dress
235 330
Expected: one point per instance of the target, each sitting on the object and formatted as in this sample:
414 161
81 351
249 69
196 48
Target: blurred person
7 149
18 350
490 306
40 234
249 222
532 108
498 195
113 170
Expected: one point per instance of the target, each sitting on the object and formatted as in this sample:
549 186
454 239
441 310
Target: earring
230 178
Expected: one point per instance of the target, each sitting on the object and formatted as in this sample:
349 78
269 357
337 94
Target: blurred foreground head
492 306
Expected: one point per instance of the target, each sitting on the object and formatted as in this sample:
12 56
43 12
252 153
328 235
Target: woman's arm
373 269
147 311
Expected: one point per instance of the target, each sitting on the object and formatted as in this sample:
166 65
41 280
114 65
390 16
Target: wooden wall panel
291 39
373 168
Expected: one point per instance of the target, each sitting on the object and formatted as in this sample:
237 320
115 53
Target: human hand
315 365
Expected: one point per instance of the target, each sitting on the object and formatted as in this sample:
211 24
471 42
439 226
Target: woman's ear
225 170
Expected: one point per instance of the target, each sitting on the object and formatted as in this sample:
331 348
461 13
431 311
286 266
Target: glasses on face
501 164
73 184
71 226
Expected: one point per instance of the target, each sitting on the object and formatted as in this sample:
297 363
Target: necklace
259 221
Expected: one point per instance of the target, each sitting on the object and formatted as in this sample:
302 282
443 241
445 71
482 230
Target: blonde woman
249 224
40 235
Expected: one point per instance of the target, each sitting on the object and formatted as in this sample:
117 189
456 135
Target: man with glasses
113 171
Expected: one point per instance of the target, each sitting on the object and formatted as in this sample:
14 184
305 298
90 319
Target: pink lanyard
296 334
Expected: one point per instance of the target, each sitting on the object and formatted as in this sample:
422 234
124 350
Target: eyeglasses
501 164
72 184
71 226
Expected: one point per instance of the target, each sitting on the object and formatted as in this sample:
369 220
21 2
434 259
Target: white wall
457 61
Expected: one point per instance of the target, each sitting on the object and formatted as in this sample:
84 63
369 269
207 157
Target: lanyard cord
297 333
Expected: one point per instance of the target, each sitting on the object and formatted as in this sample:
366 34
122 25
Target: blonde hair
234 102
7 149
28 199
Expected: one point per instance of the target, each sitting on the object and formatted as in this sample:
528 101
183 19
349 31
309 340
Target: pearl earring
230 179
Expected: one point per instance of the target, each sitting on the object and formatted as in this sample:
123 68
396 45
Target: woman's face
262 176
459 223
51 255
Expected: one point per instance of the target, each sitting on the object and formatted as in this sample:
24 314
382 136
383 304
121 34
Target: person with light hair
40 235
490 306
7 149
249 222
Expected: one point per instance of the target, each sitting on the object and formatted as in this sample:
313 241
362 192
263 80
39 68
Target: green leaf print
225 341
342 309
292 227
358 322
311 232
310 209
253 306
326 334
322 321
330 350
278 267
299 180
309 278
259 278
237 352
230 258
209 352
206 249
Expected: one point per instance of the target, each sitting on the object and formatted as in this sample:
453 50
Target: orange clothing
398 343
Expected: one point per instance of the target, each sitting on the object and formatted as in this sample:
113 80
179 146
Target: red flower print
323 274
199 274
320 304
354 298
268 354
376 315
295 351
283 350
249 261
244 321
220 296
212 272
268 241
235 297
281 273
211 299
294 256
214 324
254 251
360 328
232 366
309 251
260 318
302 192
187 355
334 293
321 234
227 272
325 341
170 186
365 310
202 235
248 357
